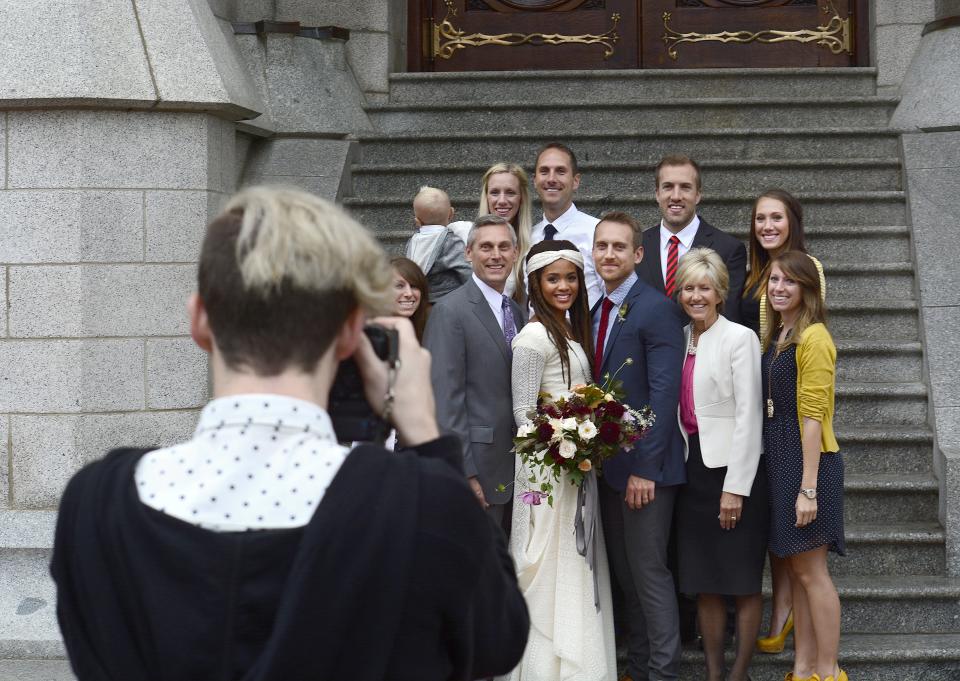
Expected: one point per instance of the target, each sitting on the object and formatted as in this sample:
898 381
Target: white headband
541 260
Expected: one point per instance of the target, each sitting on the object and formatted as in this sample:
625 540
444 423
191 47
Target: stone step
36 670
723 209
28 622
592 86
902 548
865 657
899 604
854 243
563 117
486 147
883 361
883 280
880 174
890 498
872 318
881 404
876 449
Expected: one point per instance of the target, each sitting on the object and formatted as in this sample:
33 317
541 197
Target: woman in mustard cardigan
804 466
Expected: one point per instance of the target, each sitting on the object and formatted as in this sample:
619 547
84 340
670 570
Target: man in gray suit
469 334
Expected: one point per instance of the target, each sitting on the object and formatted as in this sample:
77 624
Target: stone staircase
820 133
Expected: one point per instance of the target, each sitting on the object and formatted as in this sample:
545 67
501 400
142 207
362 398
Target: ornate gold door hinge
836 35
447 38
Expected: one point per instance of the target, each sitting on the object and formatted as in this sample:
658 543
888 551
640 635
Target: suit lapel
483 312
632 295
651 259
704 236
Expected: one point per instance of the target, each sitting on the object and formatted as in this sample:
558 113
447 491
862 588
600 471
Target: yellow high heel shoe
842 676
774 644
791 677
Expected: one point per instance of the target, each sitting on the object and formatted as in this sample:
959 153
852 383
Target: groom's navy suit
650 332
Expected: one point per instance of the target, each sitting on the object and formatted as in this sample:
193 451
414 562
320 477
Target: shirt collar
266 409
431 229
618 294
563 220
686 235
493 296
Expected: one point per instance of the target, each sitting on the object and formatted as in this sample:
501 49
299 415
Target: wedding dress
569 639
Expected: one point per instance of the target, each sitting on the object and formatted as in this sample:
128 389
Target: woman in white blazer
722 514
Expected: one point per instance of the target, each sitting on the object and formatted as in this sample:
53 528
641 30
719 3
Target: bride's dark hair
553 320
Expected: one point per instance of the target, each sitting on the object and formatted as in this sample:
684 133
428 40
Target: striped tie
670 280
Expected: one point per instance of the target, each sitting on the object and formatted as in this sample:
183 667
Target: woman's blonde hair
280 271
798 266
704 263
522 223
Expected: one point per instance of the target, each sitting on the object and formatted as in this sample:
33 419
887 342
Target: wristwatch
809 492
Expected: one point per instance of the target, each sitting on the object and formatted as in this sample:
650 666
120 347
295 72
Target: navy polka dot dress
784 456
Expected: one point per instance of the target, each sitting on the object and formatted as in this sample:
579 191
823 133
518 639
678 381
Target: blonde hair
523 221
798 266
288 234
431 206
704 263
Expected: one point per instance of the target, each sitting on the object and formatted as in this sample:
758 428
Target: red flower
615 409
554 452
609 432
582 410
544 432
551 411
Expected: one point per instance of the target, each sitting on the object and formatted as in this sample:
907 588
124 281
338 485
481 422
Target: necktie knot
549 233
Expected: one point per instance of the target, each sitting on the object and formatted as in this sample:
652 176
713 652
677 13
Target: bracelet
388 398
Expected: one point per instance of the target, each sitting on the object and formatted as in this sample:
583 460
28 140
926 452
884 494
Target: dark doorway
508 35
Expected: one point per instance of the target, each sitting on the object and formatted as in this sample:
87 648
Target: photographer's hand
414 410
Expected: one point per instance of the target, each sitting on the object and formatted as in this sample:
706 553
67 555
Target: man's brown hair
678 160
624 218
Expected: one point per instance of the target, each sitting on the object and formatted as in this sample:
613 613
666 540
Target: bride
570 637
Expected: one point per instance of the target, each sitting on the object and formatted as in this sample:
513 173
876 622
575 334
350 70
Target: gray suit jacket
471 381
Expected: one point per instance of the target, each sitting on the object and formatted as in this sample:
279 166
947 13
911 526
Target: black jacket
730 249
398 575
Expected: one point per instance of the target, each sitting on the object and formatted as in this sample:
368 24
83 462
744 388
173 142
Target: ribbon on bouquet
586 525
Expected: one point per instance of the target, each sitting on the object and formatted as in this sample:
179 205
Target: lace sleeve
528 366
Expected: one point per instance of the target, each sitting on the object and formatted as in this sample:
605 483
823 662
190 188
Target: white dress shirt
686 236
493 297
576 227
255 462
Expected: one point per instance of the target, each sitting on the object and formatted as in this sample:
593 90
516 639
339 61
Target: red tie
601 337
672 258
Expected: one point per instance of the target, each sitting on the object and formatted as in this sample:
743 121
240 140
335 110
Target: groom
634 321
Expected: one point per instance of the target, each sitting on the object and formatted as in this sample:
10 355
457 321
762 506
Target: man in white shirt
469 334
678 192
556 179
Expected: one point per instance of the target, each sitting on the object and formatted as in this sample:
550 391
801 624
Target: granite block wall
103 216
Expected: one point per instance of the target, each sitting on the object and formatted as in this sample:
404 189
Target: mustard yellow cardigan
816 378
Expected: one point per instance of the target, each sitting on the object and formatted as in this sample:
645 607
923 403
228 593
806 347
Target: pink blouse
688 414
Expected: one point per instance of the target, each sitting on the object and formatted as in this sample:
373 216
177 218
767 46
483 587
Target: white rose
569 423
567 449
587 430
526 430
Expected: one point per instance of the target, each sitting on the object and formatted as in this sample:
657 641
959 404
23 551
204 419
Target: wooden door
509 35
749 33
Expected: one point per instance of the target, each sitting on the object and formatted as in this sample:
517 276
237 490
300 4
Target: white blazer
728 402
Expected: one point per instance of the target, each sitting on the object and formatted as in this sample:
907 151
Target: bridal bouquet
574 432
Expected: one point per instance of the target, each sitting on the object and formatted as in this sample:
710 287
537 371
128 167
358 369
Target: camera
353 418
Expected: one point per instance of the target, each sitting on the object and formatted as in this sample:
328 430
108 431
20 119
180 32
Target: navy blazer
730 249
651 334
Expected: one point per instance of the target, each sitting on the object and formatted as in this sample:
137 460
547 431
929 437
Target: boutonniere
622 312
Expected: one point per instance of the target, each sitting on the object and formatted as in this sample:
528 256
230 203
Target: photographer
261 548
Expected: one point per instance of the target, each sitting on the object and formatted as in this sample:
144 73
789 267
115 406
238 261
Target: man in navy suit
636 322
680 229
